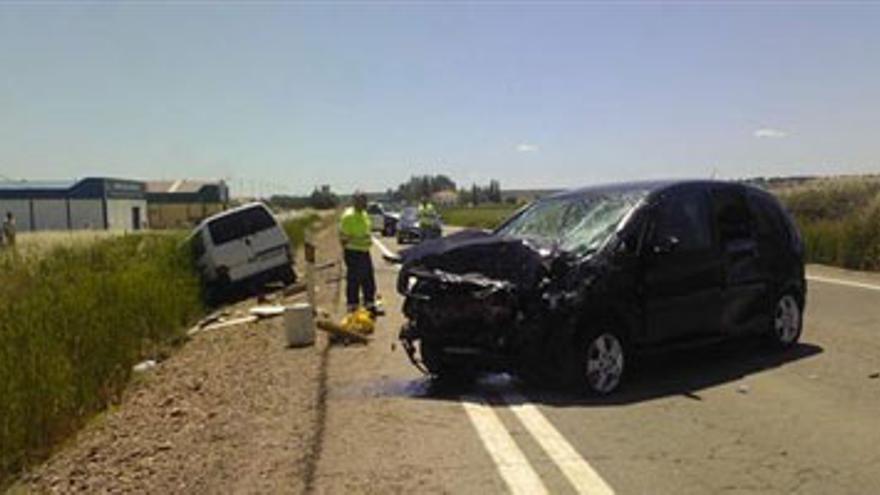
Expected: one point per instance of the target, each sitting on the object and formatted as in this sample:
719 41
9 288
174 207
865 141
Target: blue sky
285 96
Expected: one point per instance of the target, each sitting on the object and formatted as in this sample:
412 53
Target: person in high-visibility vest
427 214
354 234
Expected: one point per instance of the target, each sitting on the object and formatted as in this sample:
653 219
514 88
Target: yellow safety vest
355 228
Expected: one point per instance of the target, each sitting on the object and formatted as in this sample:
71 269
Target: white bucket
299 325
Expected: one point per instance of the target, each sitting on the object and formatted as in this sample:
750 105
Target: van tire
288 275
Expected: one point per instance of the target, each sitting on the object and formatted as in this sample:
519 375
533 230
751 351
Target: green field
482 217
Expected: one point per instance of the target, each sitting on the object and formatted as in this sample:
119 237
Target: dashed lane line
510 461
583 478
848 283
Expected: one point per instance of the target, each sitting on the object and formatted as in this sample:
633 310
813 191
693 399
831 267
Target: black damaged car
571 287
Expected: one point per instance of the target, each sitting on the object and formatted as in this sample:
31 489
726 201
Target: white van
241 248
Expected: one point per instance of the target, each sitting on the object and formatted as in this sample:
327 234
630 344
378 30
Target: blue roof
88 188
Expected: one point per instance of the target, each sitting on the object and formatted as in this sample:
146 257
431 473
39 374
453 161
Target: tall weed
73 321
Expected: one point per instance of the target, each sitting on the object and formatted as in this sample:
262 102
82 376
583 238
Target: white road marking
847 283
386 253
511 463
580 474
382 247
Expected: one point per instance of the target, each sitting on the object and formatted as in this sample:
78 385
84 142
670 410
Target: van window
374 209
241 224
684 216
732 215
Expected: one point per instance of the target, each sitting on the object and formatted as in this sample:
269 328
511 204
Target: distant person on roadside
355 235
9 230
427 218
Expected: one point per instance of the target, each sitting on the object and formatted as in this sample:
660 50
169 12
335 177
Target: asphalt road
734 418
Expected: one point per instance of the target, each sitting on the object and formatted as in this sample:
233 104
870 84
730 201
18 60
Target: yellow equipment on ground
359 321
355 326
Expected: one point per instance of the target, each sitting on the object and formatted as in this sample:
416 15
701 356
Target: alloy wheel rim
787 319
604 363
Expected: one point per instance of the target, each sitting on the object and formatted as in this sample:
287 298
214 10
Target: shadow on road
683 373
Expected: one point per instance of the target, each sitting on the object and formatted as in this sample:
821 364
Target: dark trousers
359 277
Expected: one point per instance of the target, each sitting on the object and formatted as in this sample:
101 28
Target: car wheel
603 362
440 370
787 321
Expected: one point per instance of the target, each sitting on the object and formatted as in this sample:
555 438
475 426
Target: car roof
649 187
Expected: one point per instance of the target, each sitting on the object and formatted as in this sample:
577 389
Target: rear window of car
770 221
732 215
240 224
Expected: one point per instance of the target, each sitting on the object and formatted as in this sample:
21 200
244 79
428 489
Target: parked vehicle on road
573 286
241 248
408 226
383 219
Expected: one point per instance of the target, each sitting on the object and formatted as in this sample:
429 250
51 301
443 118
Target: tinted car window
769 223
244 223
374 210
684 216
732 215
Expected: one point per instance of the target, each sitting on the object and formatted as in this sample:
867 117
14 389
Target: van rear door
230 238
269 244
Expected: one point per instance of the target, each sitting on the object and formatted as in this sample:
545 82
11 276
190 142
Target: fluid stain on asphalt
422 387
386 387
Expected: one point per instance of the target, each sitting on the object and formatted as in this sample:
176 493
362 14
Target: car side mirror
665 245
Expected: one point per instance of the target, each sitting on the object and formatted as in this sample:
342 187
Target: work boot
375 311
351 308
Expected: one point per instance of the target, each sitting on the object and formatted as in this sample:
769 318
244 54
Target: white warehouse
92 203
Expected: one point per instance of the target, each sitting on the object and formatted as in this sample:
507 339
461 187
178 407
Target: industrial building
91 203
184 203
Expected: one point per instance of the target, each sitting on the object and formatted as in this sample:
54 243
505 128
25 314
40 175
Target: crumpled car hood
477 252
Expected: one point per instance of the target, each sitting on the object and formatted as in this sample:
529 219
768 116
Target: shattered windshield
579 224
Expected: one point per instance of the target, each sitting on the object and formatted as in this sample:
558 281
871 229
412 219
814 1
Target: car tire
439 370
602 362
786 322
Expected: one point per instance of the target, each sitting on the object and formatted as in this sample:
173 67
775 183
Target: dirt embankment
234 410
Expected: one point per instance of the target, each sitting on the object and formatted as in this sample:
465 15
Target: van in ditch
241 250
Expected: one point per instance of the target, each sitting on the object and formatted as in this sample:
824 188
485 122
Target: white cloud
526 148
768 133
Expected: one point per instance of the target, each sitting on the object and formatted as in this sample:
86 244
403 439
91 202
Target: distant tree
323 198
493 194
420 186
